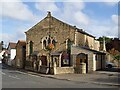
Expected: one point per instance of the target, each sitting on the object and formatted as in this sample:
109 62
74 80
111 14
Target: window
54 42
44 44
65 61
47 40
31 47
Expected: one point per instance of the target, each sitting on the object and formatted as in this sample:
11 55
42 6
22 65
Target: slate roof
12 45
21 42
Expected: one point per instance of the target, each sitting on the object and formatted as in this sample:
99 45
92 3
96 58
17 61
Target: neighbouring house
61 48
12 52
4 55
20 54
1 55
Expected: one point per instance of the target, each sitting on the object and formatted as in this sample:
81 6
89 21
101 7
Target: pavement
97 77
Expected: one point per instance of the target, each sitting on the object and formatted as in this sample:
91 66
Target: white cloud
103 30
66 11
81 18
115 18
14 37
17 10
72 12
74 5
46 6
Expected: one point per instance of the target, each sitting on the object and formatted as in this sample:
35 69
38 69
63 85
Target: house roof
21 42
12 45
78 30
74 27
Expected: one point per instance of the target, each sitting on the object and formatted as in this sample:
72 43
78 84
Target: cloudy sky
96 18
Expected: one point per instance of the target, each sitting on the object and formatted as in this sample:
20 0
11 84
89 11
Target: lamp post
49 48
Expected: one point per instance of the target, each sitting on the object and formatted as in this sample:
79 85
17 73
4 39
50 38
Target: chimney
49 14
104 46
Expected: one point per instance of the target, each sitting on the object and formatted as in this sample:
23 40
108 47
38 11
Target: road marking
28 74
15 77
2 73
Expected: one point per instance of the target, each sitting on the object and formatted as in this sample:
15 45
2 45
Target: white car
110 64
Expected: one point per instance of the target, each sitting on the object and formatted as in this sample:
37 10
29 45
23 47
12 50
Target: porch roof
91 50
35 53
56 53
94 51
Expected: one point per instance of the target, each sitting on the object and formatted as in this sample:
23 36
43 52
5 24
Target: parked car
110 64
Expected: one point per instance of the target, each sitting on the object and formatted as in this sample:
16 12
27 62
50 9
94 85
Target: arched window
49 40
31 47
44 44
53 42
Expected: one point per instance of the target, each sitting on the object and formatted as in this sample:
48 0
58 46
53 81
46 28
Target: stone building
20 54
54 45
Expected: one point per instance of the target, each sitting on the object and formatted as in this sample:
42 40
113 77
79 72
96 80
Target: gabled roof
74 27
78 30
12 45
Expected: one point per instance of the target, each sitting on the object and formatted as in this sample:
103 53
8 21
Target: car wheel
109 66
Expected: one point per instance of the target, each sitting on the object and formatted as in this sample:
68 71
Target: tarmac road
12 78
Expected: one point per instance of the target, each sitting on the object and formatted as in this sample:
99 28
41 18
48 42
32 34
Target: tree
107 39
117 57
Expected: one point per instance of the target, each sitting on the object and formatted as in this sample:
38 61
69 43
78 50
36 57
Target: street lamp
49 48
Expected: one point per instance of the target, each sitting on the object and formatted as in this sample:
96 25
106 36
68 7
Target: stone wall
18 60
90 41
58 29
80 39
63 70
20 56
97 45
76 50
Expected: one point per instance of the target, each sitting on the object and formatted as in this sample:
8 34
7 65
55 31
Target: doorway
82 58
44 60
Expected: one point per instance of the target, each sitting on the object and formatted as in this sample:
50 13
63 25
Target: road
12 78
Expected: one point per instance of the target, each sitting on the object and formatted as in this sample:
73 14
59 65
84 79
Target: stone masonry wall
76 51
19 62
58 29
